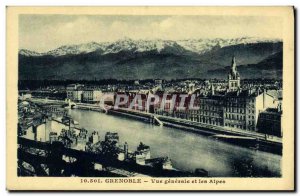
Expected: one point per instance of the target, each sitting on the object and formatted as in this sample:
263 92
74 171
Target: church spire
233 76
233 63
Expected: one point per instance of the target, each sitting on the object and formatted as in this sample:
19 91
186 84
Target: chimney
126 150
279 109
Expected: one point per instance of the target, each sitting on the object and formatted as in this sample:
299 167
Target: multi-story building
74 92
269 121
235 110
136 100
241 108
91 96
77 95
210 110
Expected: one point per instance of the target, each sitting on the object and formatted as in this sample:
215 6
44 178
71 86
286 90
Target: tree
109 149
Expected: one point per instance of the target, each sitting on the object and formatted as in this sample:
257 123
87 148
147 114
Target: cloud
45 32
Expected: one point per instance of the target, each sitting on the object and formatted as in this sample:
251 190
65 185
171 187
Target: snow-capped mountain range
199 46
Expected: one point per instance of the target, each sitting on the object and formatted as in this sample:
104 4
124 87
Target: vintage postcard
150 98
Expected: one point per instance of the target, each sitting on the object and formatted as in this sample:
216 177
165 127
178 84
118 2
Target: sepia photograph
152 97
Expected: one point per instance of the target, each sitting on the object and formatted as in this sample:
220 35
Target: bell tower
233 77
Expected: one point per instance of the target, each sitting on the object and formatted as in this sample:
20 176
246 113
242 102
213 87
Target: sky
42 33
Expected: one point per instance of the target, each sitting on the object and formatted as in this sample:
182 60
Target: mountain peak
26 52
199 46
157 59
77 49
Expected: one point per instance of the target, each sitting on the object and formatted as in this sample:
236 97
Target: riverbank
247 139
254 140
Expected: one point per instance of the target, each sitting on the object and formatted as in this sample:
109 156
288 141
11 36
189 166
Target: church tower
233 77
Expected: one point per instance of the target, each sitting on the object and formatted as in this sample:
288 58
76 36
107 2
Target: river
187 150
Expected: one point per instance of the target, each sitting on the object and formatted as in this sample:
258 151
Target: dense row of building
251 109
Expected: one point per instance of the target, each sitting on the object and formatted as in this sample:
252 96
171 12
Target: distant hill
270 67
144 59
